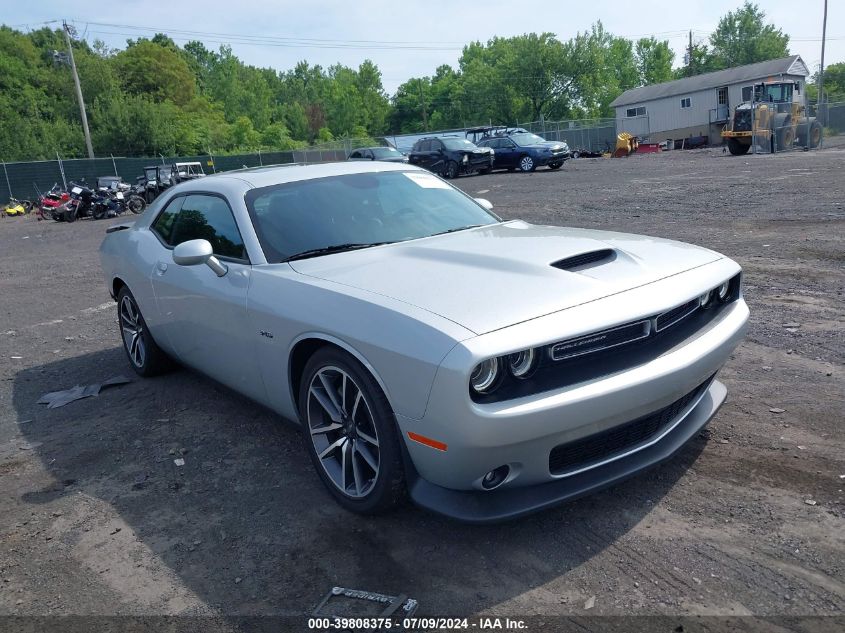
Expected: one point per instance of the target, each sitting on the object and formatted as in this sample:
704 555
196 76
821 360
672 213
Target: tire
816 134
736 148
527 164
450 170
555 165
136 204
361 463
486 171
145 356
786 139
69 215
27 205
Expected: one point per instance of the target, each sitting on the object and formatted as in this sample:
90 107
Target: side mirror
194 252
484 202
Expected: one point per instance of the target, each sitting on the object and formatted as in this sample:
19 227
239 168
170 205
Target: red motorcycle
51 202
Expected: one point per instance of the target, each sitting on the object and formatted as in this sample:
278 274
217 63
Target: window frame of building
686 102
638 111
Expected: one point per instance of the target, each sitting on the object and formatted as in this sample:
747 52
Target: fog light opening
495 477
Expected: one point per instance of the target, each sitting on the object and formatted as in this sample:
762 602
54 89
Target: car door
203 316
437 156
422 155
506 150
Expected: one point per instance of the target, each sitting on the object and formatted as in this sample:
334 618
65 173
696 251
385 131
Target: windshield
386 152
394 206
526 138
458 143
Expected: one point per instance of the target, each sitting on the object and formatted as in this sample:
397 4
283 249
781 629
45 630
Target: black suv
451 156
525 151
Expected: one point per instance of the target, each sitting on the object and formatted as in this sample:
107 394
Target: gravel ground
95 517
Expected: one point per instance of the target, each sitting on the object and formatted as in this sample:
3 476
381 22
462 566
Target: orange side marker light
427 441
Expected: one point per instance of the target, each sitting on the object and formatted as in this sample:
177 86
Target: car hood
494 276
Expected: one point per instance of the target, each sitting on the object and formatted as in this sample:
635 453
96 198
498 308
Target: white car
486 368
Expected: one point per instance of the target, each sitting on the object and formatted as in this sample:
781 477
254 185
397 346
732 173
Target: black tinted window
204 217
163 224
355 155
364 208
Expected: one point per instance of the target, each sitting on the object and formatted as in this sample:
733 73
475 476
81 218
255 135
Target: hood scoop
586 260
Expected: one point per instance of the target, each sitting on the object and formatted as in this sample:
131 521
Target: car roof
279 174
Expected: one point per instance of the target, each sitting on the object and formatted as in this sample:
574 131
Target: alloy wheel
526 164
132 328
343 431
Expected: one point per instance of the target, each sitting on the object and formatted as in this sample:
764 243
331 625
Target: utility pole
689 52
78 92
422 103
821 66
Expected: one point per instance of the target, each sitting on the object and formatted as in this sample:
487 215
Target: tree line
155 97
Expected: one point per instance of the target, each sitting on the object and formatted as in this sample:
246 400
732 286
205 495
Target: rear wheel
145 356
736 148
350 433
69 214
451 170
526 164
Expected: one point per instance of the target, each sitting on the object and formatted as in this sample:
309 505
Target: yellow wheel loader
779 119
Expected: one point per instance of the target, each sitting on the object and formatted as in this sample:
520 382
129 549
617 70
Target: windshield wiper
335 248
459 228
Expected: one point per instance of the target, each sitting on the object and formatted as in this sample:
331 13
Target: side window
424 146
368 154
436 146
205 217
355 154
163 224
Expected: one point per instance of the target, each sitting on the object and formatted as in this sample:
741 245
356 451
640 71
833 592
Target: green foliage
155 97
741 37
834 84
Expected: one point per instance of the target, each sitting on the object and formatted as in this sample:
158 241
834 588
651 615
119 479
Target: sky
411 38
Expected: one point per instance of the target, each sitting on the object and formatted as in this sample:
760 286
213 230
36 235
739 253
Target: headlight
485 376
522 364
705 299
722 291
465 158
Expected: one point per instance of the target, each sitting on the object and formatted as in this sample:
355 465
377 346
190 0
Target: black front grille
742 121
600 340
583 259
601 446
676 314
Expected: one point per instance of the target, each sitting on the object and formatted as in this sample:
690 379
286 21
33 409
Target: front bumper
509 503
522 433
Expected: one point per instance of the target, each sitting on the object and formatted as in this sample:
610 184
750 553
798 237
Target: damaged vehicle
485 368
451 156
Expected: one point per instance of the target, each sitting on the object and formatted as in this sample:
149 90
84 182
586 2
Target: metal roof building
699 105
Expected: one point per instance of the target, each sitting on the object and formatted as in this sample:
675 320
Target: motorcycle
53 199
17 207
79 206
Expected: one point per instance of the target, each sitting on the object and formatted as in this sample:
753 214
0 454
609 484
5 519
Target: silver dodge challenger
487 369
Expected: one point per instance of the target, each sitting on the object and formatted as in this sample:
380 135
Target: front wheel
736 148
555 165
526 164
145 356
136 204
350 433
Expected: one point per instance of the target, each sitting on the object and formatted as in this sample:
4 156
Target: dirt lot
95 518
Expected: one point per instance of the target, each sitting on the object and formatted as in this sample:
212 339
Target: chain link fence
593 135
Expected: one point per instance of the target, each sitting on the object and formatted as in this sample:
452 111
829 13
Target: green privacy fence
24 180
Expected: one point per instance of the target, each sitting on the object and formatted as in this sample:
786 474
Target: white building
700 105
